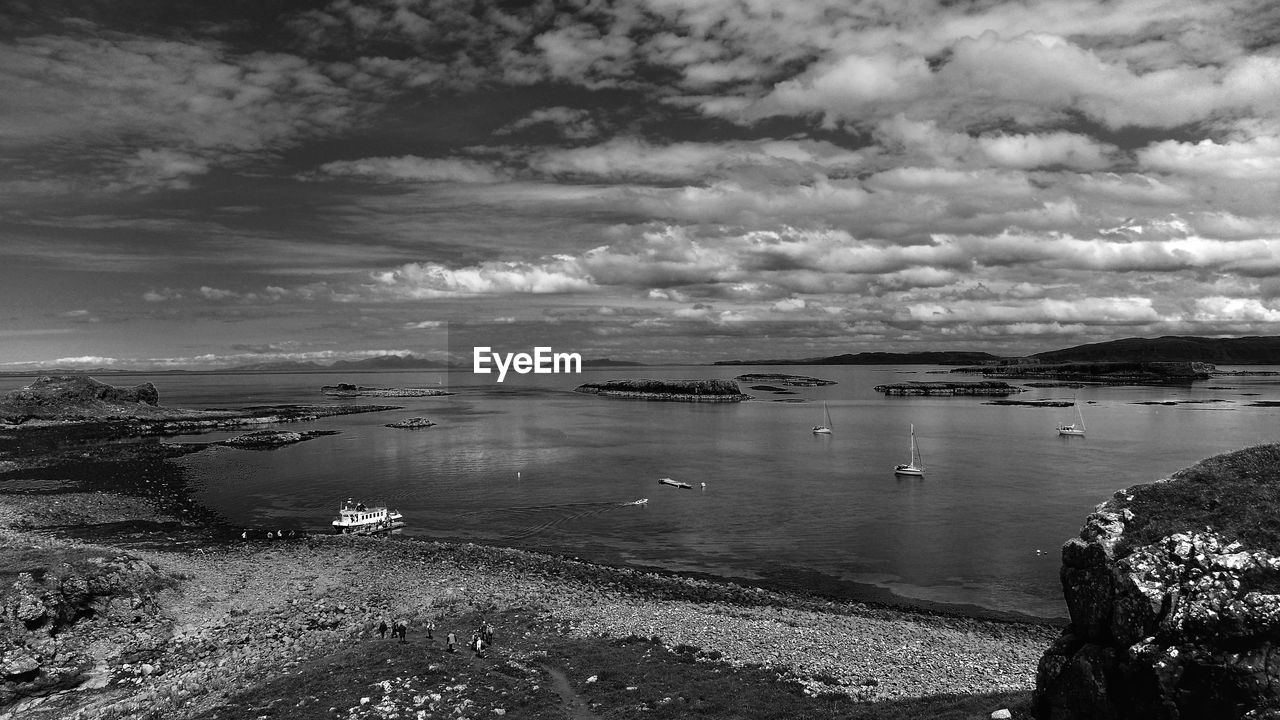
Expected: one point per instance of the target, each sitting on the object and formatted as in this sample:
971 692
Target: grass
633 678
1235 494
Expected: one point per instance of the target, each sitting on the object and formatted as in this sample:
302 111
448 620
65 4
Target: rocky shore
215 621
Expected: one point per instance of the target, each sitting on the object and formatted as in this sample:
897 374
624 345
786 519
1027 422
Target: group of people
480 639
399 629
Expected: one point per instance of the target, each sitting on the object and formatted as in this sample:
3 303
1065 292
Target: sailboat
1075 428
825 427
916 466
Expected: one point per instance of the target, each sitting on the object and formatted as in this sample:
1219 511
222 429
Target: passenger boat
356 518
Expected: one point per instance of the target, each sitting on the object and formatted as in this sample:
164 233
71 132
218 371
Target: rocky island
271 439
350 390
667 390
411 423
986 387
1106 373
781 379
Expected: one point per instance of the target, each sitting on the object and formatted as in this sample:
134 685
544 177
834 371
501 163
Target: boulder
1183 628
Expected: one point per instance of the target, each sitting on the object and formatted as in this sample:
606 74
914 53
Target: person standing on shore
382 628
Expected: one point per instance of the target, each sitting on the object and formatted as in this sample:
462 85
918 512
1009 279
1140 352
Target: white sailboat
825 427
1075 428
916 466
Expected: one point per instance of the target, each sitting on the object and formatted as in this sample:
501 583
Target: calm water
531 464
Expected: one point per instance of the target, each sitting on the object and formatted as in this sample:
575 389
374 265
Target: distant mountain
387 362
882 358
382 362
281 366
1219 351
609 362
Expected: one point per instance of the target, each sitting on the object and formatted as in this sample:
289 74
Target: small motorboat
675 483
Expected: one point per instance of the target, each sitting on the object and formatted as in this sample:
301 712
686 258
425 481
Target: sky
189 184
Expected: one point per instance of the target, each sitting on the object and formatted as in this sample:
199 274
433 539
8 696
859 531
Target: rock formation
670 390
75 396
38 654
1182 627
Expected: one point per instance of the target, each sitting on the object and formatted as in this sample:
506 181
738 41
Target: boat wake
548 516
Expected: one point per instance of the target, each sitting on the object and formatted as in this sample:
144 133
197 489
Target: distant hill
881 358
1219 351
382 362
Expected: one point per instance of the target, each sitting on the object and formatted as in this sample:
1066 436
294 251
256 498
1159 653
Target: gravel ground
247 611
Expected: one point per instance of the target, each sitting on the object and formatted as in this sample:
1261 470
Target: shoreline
233 599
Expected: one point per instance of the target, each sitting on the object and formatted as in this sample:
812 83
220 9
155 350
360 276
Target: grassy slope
1234 493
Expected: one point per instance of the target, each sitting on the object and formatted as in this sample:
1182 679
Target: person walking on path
453 643
487 634
431 627
401 629
382 629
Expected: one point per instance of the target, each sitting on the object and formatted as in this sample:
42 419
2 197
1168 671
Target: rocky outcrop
411 423
1182 628
669 390
39 653
349 390
75 396
984 387
270 439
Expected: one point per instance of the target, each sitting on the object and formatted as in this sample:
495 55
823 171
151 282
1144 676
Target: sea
529 463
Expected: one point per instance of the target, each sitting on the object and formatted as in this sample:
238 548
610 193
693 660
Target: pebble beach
241 613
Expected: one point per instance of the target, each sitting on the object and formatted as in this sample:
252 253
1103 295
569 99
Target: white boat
356 518
916 466
1075 428
825 427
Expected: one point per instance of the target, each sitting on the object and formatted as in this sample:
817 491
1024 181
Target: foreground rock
1183 626
668 390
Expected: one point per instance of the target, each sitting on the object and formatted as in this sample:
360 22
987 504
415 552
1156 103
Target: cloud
1256 158
1234 310
570 123
417 169
629 158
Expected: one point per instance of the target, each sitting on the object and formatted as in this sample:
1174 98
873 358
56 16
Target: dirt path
574 705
